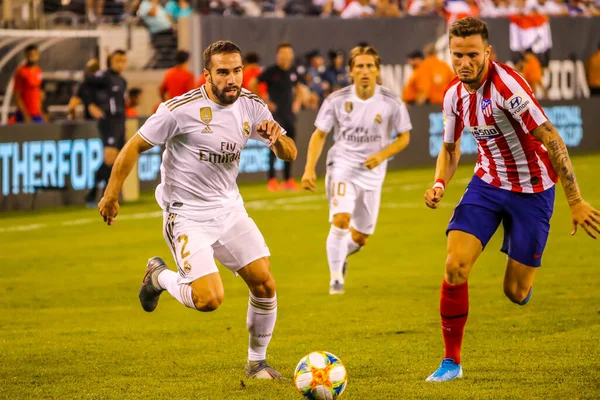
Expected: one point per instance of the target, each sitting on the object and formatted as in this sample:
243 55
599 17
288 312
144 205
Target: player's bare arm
446 165
581 212
315 148
109 204
283 146
394 148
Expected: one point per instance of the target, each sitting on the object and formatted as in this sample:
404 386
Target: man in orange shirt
592 71
179 79
409 94
435 75
252 70
134 98
28 88
531 69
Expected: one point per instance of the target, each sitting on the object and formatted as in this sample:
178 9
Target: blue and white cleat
447 371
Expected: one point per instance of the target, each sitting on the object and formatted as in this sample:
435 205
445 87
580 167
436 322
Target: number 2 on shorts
183 238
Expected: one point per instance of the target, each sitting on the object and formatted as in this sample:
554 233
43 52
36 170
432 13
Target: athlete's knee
341 221
208 300
457 269
359 238
516 292
264 288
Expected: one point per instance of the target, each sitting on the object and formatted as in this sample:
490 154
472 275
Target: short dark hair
469 26
181 57
252 58
31 47
134 92
119 52
220 47
283 45
364 50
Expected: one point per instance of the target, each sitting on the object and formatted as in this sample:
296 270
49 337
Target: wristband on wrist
439 183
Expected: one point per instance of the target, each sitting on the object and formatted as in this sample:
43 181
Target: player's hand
109 208
308 180
587 216
95 111
269 130
373 161
433 197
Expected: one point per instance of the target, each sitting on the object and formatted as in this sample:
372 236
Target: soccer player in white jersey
521 156
364 115
204 132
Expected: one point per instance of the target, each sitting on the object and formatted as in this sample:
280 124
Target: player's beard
479 74
224 98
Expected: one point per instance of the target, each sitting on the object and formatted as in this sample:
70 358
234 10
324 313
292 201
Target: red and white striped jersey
501 115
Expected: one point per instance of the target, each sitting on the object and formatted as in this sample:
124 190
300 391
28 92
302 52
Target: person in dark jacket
105 100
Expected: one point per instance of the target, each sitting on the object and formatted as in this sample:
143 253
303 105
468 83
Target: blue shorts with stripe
524 216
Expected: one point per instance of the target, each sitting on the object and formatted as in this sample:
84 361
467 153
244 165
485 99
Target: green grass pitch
71 326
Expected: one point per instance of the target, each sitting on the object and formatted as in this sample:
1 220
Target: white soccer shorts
233 239
348 198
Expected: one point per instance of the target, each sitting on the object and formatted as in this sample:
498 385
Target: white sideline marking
264 204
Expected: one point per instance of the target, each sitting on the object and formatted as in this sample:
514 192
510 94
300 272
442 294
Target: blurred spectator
387 8
90 70
420 7
28 88
162 33
330 7
337 74
95 9
411 89
495 8
201 80
179 79
315 72
358 9
592 71
178 8
284 101
252 70
551 7
134 98
530 67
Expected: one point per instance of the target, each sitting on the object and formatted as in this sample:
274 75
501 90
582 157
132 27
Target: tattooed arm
581 212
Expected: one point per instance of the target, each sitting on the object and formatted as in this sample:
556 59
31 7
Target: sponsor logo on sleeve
518 104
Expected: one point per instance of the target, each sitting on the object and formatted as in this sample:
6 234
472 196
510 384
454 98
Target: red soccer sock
454 309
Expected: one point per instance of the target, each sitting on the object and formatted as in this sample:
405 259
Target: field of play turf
71 326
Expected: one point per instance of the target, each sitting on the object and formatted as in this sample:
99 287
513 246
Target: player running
521 156
204 132
365 115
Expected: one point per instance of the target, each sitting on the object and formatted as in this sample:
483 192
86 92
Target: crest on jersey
206 114
348 107
378 119
247 129
486 107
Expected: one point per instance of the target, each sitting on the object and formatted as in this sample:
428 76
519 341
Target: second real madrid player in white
364 115
204 132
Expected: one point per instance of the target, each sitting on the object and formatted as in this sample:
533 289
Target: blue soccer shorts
524 216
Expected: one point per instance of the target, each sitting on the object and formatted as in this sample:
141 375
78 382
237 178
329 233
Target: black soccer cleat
150 290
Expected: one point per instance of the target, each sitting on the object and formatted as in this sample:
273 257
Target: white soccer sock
337 249
352 246
262 314
167 280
